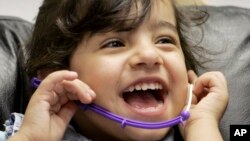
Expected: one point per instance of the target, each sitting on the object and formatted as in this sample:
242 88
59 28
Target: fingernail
73 73
92 93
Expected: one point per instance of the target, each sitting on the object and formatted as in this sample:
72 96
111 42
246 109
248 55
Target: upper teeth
144 87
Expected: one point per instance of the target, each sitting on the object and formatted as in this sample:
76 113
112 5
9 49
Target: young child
127 56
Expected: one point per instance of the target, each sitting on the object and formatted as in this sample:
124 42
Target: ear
192 76
43 73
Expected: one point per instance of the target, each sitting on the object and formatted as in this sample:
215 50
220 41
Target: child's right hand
51 107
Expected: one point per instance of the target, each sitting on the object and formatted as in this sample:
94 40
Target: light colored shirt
2 136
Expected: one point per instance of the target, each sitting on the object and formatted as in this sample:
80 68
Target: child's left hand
209 103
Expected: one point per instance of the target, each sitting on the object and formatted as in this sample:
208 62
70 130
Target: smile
145 97
184 115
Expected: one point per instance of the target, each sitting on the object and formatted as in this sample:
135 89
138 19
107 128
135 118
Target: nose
146 57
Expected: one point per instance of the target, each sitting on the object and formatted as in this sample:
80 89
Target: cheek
178 84
102 69
100 73
176 68
103 77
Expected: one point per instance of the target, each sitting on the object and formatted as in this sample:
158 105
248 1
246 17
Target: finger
55 108
51 89
67 112
191 79
77 90
194 99
44 97
63 116
211 82
52 80
192 76
61 101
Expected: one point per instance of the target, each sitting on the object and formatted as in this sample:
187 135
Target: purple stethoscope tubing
139 124
134 123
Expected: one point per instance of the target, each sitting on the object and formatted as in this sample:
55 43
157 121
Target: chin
137 134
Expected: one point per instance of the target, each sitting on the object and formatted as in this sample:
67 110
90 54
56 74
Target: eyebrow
158 24
165 24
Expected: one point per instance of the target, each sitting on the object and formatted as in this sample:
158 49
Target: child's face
115 63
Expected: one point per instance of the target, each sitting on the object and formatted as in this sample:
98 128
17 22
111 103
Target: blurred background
27 9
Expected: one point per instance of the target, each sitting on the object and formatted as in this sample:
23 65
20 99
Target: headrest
227 37
14 32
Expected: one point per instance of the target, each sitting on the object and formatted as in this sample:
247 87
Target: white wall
240 3
27 9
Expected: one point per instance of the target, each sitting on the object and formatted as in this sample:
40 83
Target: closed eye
113 43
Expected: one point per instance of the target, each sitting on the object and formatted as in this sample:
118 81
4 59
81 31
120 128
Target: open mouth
145 96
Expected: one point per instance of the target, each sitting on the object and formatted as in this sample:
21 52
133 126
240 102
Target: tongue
141 100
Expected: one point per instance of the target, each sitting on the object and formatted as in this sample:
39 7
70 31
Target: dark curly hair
62 24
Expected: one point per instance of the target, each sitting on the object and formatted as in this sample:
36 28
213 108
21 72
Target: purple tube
139 124
124 121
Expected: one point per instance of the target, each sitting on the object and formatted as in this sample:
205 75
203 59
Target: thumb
67 112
